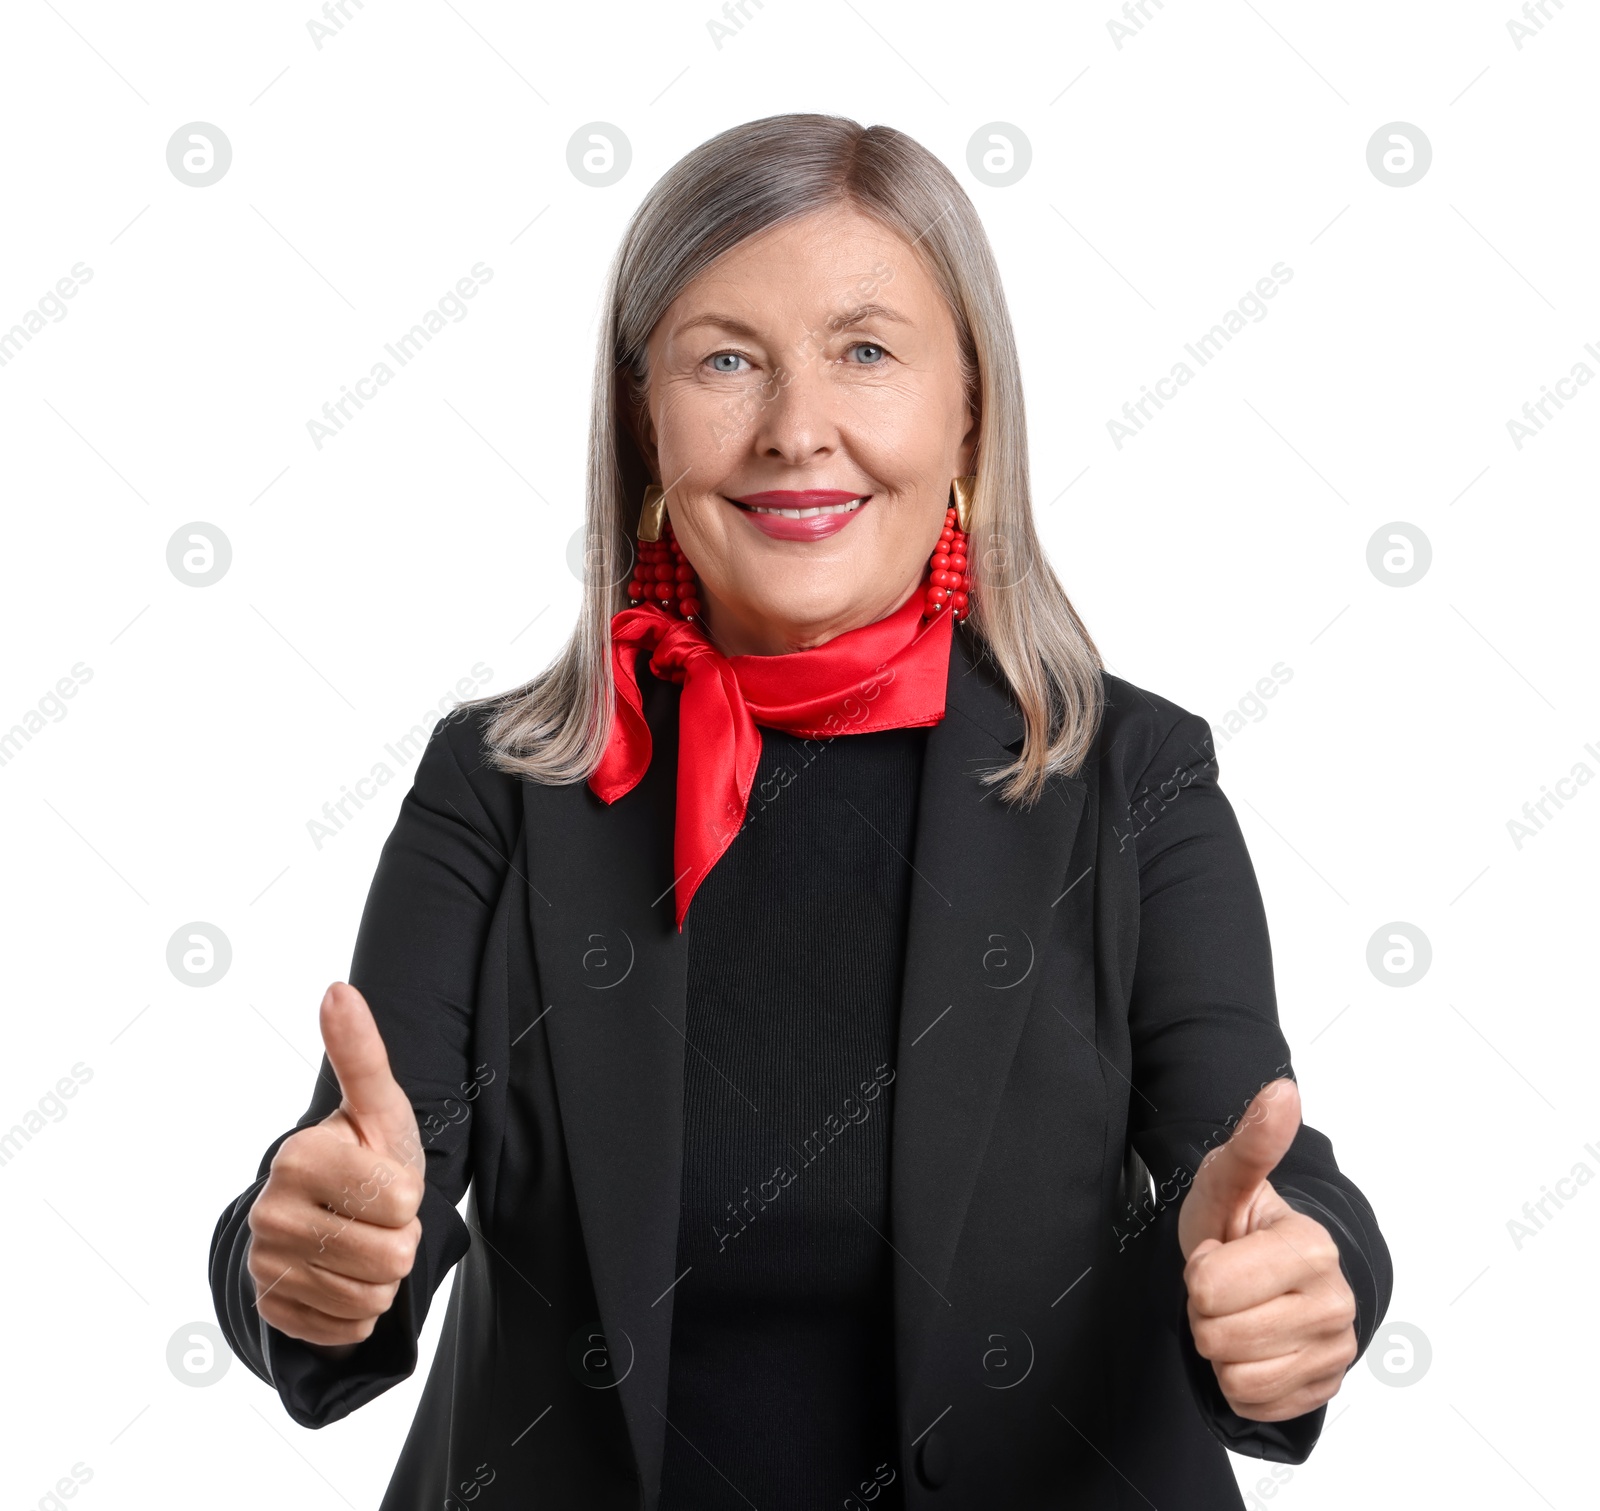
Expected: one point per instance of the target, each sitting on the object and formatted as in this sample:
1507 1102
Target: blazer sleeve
1205 1038
416 962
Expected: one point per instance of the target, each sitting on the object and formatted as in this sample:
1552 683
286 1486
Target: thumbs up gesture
335 1229
1268 1303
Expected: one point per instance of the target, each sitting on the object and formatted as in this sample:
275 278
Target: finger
1230 1180
1267 1263
347 1181
1296 1404
311 1324
303 1234
1274 1328
373 1100
1270 1382
335 1296
368 1255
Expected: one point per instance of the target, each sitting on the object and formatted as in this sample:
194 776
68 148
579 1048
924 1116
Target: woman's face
815 366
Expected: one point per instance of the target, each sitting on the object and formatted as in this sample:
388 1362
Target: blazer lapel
985 880
613 969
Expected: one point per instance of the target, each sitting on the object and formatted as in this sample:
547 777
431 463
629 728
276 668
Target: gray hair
750 178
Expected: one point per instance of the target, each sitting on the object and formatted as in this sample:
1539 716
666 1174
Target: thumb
374 1102
1229 1183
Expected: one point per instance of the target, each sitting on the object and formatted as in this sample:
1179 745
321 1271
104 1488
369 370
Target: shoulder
1145 738
462 736
458 772
1138 735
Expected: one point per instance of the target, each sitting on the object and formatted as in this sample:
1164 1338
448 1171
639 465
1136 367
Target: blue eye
877 353
725 362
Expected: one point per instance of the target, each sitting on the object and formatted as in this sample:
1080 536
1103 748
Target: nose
796 422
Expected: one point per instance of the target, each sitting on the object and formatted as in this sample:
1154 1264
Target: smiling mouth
849 507
801 514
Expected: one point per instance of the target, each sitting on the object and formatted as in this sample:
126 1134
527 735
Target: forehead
817 267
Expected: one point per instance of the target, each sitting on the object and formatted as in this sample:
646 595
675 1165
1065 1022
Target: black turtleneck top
781 1390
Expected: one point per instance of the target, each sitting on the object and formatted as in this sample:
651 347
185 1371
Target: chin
802 610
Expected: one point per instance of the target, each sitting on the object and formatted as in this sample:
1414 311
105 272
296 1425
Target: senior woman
847 1010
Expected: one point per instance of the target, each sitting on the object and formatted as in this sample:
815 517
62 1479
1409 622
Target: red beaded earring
949 586
662 573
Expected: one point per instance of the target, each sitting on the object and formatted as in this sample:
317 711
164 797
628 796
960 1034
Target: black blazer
1088 986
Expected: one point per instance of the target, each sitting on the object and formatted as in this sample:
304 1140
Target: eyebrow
863 312
841 321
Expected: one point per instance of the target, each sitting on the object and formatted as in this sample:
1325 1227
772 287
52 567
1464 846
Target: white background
367 577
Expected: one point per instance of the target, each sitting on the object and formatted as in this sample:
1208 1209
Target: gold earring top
652 512
962 492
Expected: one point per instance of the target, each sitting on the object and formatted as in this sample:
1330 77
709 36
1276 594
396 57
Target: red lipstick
803 514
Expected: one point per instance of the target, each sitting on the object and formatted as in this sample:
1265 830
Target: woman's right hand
335 1229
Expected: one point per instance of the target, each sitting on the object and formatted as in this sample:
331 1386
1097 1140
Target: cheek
708 427
702 529
687 433
901 435
909 435
903 541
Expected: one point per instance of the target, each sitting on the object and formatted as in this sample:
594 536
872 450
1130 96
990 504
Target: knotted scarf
887 675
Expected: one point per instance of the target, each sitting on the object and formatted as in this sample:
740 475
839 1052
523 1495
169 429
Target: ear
636 419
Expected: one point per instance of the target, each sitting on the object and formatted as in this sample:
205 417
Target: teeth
849 508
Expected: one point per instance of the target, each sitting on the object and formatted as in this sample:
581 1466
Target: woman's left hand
1268 1302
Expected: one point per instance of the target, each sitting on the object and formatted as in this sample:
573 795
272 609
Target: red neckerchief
886 675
